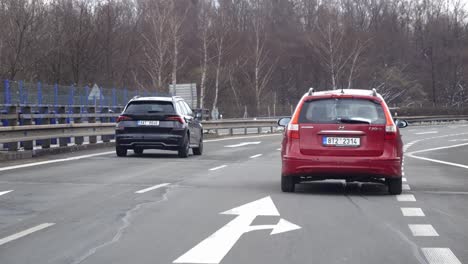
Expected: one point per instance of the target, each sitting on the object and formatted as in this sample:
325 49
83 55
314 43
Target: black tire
121 152
394 186
184 148
199 150
288 184
138 151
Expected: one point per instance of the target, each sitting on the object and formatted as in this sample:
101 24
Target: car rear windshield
344 110
150 107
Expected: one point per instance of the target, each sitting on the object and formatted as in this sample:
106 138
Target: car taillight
176 118
123 118
390 132
293 131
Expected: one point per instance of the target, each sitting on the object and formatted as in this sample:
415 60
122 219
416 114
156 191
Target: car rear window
336 110
150 107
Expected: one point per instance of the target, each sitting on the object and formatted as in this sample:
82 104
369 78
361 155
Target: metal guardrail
28 135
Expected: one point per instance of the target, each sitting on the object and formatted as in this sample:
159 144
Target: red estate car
342 134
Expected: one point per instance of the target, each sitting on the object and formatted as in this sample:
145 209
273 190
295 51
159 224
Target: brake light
293 126
176 118
390 132
390 127
293 131
123 118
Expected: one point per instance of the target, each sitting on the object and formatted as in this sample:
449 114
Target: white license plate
341 141
148 123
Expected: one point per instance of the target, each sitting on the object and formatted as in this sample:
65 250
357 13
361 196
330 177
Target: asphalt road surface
92 207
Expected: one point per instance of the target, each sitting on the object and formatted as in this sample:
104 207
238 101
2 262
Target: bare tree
156 47
205 24
263 66
176 20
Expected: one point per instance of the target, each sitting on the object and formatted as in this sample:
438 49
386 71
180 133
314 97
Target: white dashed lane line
425 133
243 144
406 198
406 187
412 211
404 179
440 256
152 188
423 230
25 233
5 192
218 168
256 156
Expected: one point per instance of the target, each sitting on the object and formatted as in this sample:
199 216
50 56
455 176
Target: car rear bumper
342 168
149 141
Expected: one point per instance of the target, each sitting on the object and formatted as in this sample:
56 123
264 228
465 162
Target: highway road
226 207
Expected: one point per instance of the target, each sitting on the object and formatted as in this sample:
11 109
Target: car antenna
374 92
342 91
311 90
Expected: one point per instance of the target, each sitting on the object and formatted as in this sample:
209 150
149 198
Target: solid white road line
5 192
256 156
428 132
54 161
411 154
406 198
218 168
406 187
278 149
440 256
25 233
111 152
152 188
439 161
423 230
409 211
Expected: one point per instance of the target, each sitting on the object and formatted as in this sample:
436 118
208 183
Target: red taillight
123 118
293 131
176 118
390 132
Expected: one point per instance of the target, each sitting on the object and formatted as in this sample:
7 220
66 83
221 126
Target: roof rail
374 92
311 90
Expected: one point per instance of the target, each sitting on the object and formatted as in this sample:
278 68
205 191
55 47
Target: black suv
158 123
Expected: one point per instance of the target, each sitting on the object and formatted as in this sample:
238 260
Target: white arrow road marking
213 249
5 192
243 144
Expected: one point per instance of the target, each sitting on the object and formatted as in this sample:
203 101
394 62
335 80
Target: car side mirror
198 115
401 123
283 122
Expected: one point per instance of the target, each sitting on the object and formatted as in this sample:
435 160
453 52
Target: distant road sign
187 91
95 93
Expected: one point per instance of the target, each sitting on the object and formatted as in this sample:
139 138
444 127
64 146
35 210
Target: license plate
148 123
341 141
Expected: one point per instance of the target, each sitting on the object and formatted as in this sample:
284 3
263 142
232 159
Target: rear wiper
354 121
153 112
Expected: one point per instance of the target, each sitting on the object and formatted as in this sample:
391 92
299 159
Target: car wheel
185 148
138 151
198 151
121 152
394 186
288 183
